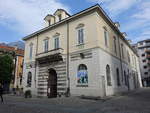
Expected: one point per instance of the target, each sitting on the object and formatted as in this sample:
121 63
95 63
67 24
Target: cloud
144 12
115 7
26 16
133 14
140 22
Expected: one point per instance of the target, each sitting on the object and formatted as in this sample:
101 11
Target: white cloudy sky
21 17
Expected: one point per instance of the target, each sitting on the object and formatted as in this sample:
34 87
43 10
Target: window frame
118 77
46 45
31 50
106 37
80 35
56 42
108 75
115 44
29 79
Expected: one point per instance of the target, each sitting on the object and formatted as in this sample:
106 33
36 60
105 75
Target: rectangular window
115 46
49 22
46 45
31 49
80 36
122 50
59 17
145 67
144 60
57 43
106 37
143 55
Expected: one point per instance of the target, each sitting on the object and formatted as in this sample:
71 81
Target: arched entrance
52 84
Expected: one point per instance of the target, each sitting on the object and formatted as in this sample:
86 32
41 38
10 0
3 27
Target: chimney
124 34
117 24
130 41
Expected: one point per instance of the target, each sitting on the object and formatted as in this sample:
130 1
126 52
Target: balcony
148 56
50 56
147 51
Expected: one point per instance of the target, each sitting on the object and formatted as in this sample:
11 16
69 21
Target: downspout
120 58
68 79
35 60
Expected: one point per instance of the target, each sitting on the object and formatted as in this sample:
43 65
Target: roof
62 10
62 21
97 8
147 40
8 48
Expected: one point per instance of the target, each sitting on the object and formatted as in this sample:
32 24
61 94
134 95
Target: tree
6 68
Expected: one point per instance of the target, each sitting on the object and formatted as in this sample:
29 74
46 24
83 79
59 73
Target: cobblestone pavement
134 102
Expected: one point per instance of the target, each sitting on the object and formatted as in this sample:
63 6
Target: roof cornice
96 7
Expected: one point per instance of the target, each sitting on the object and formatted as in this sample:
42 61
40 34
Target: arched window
118 77
29 79
108 75
82 75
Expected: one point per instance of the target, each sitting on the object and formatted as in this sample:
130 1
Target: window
82 75
145 67
82 56
146 73
144 60
122 50
49 22
56 43
29 79
141 43
118 77
143 55
59 17
128 56
108 75
31 51
106 37
45 45
115 46
126 79
80 36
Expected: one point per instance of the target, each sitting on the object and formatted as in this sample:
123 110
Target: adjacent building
83 54
18 57
143 49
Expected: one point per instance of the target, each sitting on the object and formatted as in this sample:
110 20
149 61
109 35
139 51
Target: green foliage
6 68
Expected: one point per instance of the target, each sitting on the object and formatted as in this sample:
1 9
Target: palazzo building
80 54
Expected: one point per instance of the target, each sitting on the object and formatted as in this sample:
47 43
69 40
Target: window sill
80 44
81 85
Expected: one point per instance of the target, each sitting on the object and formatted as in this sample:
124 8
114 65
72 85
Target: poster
82 77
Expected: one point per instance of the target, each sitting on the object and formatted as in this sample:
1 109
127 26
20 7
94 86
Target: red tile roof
8 48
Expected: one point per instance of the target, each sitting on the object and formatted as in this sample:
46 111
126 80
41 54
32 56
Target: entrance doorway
52 84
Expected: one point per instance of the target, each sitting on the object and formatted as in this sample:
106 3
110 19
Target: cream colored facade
96 56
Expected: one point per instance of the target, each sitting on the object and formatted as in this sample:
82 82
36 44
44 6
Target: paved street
134 102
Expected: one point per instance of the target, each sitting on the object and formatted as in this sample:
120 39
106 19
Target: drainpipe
36 61
120 58
68 79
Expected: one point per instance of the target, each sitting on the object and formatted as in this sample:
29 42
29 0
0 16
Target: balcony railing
50 54
148 56
147 51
